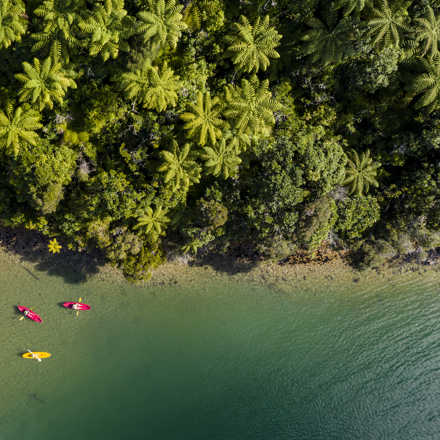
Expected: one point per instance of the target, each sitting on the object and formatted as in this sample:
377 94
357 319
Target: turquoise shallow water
222 360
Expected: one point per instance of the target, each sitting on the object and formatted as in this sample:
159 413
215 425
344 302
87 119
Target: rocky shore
29 250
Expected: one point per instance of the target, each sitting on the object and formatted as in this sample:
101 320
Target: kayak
39 354
32 315
81 306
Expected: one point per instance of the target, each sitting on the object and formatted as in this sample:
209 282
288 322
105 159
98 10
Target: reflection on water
220 361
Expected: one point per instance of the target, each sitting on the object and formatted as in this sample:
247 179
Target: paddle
77 312
34 355
24 315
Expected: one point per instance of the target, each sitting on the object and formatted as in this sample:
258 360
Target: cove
220 359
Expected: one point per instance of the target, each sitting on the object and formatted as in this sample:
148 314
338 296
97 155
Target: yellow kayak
38 354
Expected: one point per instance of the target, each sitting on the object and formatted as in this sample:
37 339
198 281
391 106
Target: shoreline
28 249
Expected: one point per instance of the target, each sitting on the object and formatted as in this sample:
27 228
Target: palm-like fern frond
108 31
428 31
10 27
155 88
389 23
352 5
221 159
178 166
251 47
203 120
59 27
17 128
192 17
44 82
162 23
163 87
251 106
153 222
427 82
360 172
327 41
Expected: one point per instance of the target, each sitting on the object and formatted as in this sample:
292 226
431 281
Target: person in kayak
26 312
75 306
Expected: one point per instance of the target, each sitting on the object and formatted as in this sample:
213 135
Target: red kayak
79 306
31 314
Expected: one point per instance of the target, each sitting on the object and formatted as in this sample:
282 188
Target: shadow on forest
238 259
31 246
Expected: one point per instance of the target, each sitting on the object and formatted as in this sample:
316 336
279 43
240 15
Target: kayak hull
31 314
81 306
39 354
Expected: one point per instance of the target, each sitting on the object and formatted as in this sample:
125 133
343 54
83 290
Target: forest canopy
149 128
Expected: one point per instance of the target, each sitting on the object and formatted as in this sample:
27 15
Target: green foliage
53 246
350 6
203 120
162 23
193 17
221 159
205 226
108 31
41 173
17 129
428 32
425 81
316 221
155 88
153 222
251 47
11 28
372 253
148 133
390 22
374 70
58 27
251 106
44 83
327 41
139 267
356 214
179 168
360 172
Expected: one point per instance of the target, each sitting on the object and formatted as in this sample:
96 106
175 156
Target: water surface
221 360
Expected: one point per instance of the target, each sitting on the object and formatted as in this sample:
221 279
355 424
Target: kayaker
26 312
75 306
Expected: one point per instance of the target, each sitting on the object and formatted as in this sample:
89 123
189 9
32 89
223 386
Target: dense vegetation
153 127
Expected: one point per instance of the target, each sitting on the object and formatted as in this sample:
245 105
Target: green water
221 360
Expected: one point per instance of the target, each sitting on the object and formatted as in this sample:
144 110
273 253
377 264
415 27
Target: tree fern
428 31
162 23
10 27
155 88
389 23
59 23
221 159
251 47
426 81
352 5
44 83
179 169
360 172
153 222
240 141
251 106
192 17
203 120
108 31
17 128
327 41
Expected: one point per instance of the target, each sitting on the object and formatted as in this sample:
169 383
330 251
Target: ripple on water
222 359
